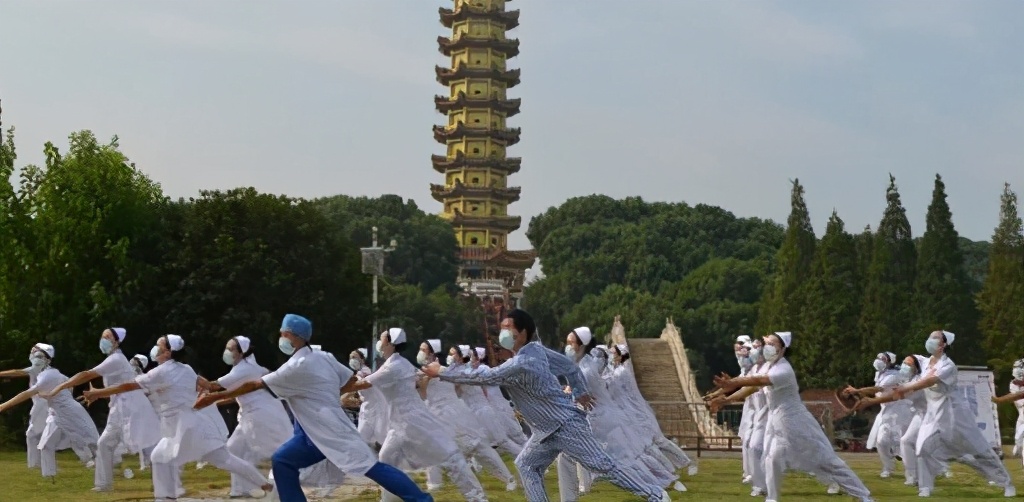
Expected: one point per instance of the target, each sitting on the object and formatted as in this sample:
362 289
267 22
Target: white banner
977 384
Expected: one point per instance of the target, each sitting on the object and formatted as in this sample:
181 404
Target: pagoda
475 194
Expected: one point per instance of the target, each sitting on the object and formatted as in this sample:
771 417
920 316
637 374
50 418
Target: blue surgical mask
285 346
106 346
506 339
932 345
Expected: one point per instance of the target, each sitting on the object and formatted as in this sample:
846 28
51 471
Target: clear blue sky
713 102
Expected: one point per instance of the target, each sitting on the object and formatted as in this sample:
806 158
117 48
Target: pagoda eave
506 223
446 75
449 17
444 104
442 134
441 193
507 46
497 258
509 165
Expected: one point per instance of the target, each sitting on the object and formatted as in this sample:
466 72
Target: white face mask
746 362
932 345
285 346
879 365
570 351
37 360
229 358
106 346
907 371
755 354
770 353
506 339
155 351
380 346
450 360
355 364
421 358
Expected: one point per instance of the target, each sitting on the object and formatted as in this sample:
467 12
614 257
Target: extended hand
725 382
432 370
849 391
861 404
716 404
586 402
89 396
205 400
899 392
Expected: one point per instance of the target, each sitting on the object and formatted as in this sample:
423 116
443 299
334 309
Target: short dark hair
523 322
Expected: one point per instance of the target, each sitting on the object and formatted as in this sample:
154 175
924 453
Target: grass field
718 479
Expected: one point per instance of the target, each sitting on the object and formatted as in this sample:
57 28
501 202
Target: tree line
88 241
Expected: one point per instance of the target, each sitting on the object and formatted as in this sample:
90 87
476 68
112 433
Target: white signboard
977 385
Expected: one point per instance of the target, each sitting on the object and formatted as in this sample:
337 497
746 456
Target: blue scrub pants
299 452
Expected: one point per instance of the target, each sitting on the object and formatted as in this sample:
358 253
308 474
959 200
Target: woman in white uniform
263 425
1017 385
758 423
131 419
416 439
910 371
623 385
793 438
188 435
445 404
68 425
373 418
503 409
36 416
892 421
948 429
474 397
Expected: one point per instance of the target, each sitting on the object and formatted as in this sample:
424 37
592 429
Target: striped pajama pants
575 440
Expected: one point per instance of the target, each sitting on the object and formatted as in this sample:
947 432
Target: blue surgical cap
298 326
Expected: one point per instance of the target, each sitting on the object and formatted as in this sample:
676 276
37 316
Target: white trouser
167 476
489 460
105 448
831 470
48 460
935 452
237 446
32 449
573 478
674 453
455 467
755 455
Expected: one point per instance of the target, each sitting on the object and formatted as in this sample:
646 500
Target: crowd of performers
447 414
925 420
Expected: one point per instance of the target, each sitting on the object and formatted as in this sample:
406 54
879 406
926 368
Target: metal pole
373 337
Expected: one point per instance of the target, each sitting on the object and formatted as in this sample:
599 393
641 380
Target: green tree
942 293
885 318
829 317
1001 297
642 314
427 253
865 244
781 305
439 314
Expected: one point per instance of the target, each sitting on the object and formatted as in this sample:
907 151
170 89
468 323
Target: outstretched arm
1008 398
736 397
207 399
863 391
730 384
14 374
92 394
354 384
23 396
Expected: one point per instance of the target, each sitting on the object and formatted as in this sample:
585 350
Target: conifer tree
1002 295
889 287
781 304
942 291
865 244
830 315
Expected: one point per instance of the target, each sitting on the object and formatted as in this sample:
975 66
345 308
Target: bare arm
355 385
730 384
863 391
246 388
207 385
1008 398
14 374
92 394
923 383
23 396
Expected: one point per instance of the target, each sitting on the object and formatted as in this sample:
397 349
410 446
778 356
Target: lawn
718 479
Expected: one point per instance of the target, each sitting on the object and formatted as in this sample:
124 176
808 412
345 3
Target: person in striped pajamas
559 425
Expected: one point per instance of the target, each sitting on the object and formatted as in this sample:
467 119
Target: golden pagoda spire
475 194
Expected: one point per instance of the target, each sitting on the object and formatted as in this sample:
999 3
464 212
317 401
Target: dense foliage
88 241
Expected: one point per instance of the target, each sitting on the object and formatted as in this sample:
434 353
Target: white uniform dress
891 423
131 419
68 425
743 432
908 443
445 404
758 402
36 420
949 432
1018 434
416 439
489 420
187 435
506 414
263 424
624 383
795 441
373 418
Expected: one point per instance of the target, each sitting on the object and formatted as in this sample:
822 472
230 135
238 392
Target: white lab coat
130 412
68 425
36 420
187 435
310 382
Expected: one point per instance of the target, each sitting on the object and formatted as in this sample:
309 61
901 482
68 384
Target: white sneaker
90 464
1010 491
665 497
757 492
924 492
910 482
129 474
886 474
833 489
200 466
511 486
692 470
746 479
948 474
679 487
432 487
